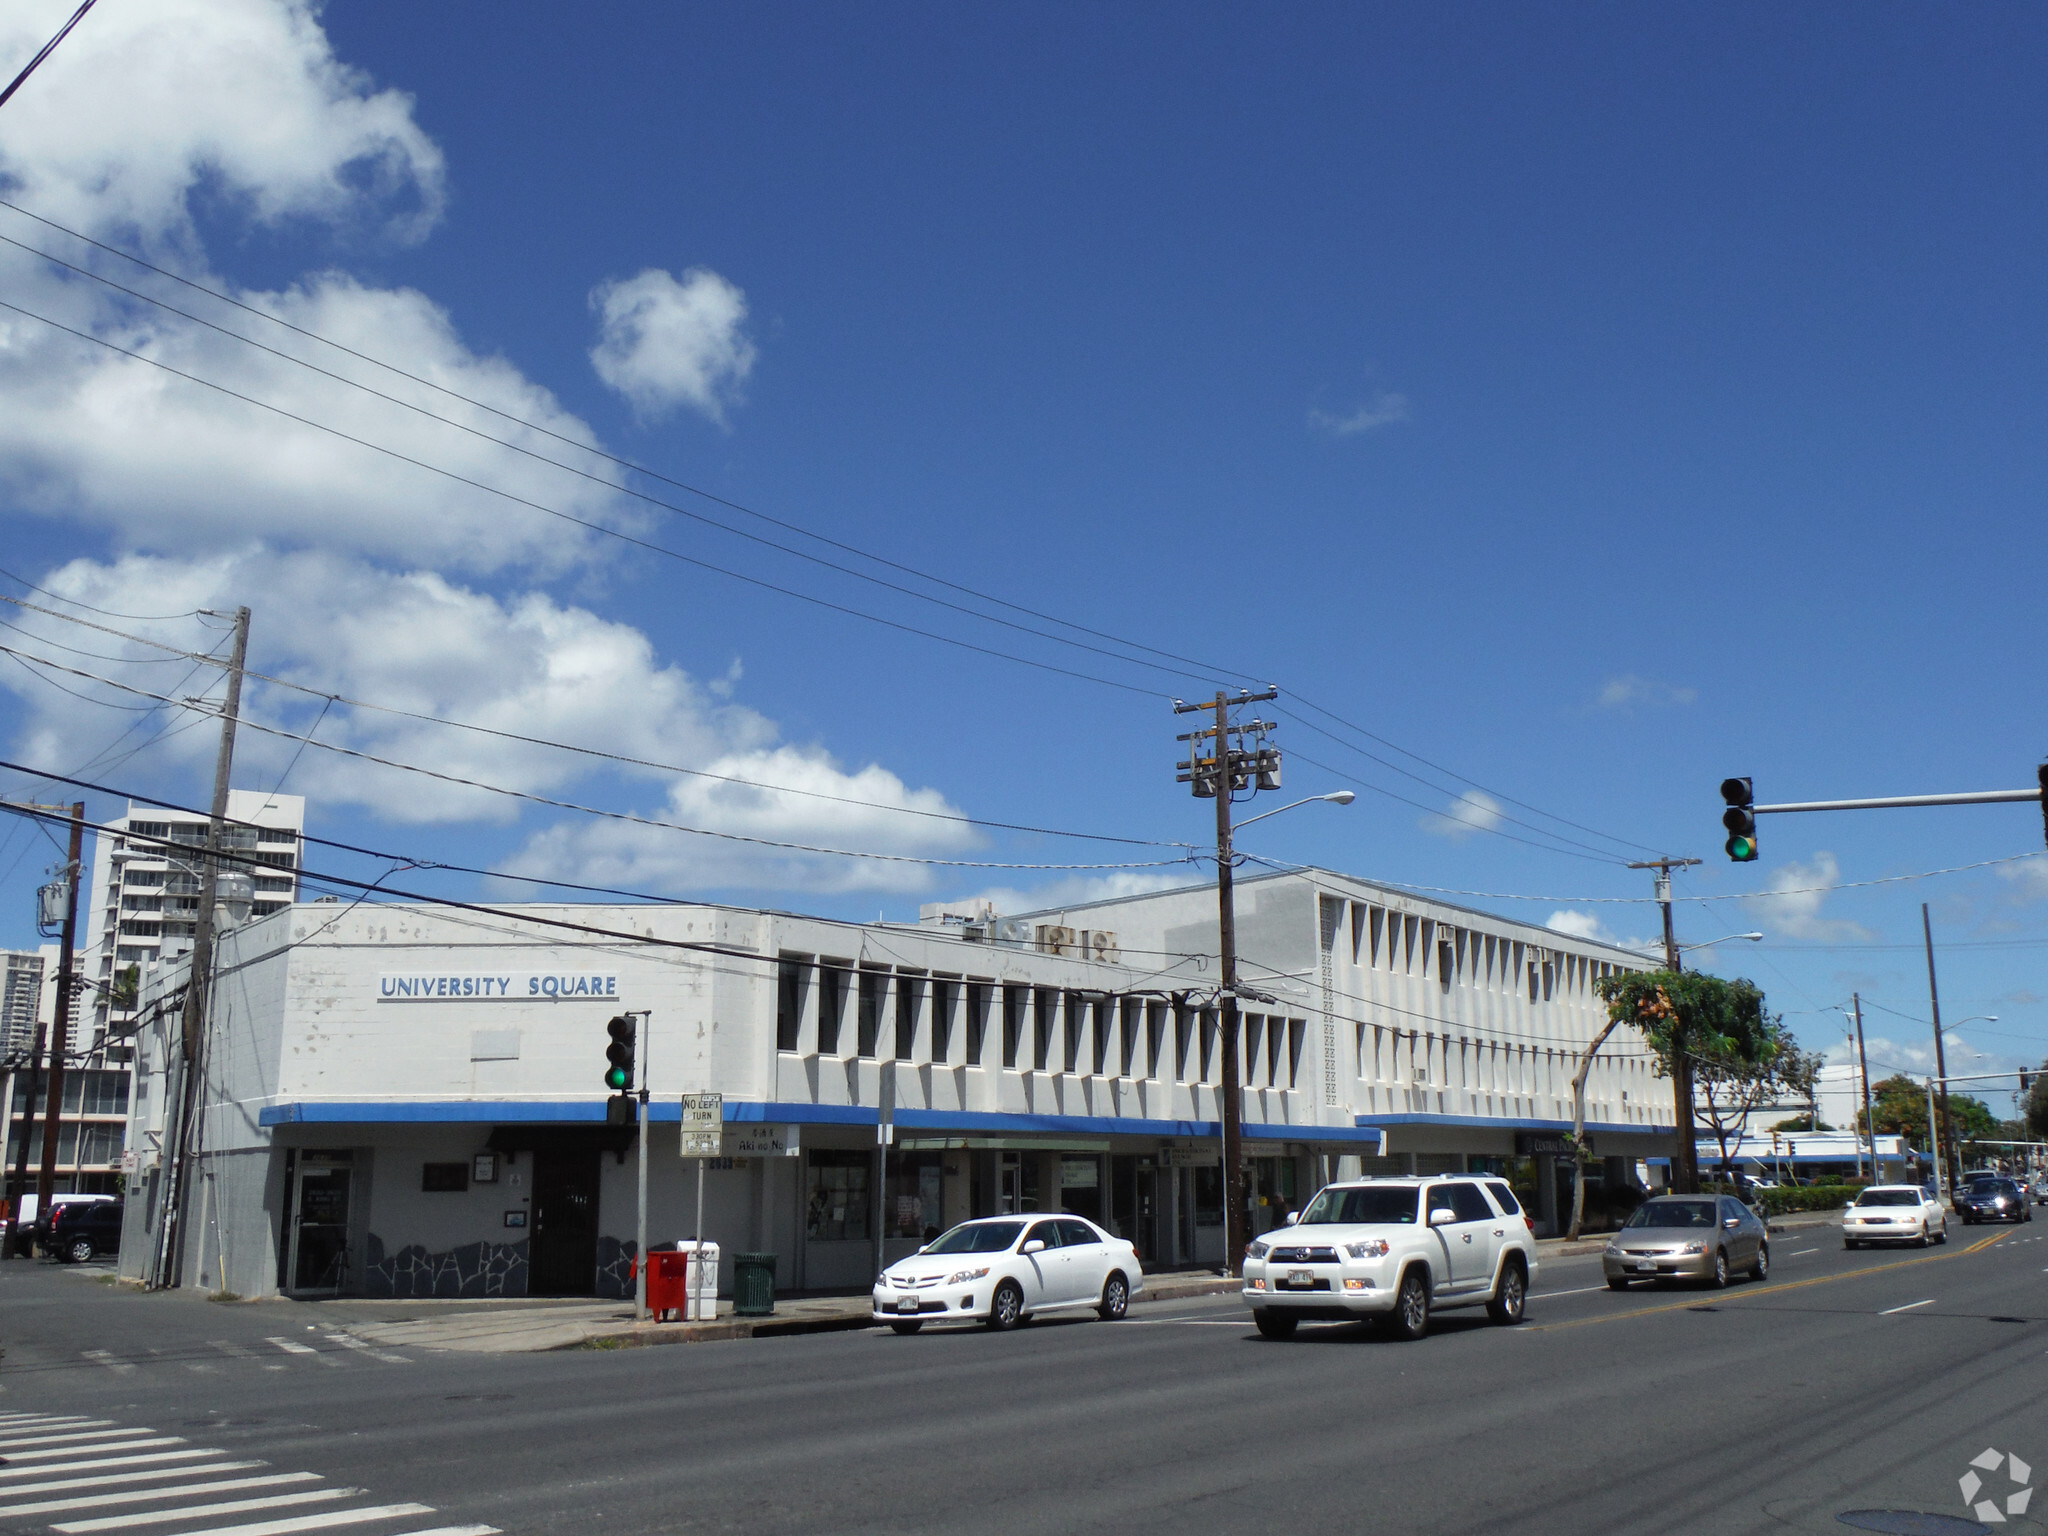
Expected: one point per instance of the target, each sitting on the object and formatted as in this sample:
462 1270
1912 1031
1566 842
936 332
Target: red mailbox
668 1284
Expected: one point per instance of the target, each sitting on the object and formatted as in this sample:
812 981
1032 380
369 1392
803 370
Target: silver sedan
1688 1237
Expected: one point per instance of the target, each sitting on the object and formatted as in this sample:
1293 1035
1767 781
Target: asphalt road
1850 1381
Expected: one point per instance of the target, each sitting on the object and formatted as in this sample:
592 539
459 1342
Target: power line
47 49
599 753
134 618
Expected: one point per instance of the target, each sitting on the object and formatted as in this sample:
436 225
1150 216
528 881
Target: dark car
1992 1200
84 1231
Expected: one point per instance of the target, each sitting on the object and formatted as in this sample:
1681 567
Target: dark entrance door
562 1253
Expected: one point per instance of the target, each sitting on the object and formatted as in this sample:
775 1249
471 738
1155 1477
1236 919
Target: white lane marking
348 1342
459 1530
1909 1306
1801 1253
1580 1291
293 1346
81 1450
115 1479
198 1511
103 1357
105 1461
14 1421
145 1495
91 1429
315 1522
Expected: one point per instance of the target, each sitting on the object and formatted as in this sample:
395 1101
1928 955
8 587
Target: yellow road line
1772 1290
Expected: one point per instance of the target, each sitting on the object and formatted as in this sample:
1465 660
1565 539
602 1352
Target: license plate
1650 1264
1301 1277
906 1304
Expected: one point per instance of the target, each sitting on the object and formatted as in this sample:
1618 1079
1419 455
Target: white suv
1394 1249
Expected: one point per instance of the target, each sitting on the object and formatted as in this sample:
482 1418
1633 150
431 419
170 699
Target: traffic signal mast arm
1740 817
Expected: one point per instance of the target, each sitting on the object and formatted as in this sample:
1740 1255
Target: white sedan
1894 1213
1003 1269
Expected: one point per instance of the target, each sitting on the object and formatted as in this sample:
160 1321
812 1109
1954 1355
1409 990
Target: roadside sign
763 1141
703 1124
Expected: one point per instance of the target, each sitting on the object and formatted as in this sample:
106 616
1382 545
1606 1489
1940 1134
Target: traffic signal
1739 819
618 1076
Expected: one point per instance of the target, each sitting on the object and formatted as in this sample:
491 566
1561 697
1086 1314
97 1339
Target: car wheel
79 1250
1006 1307
1720 1280
1273 1324
1761 1269
1616 1283
1942 1235
1510 1296
1116 1299
1926 1235
1410 1319
906 1326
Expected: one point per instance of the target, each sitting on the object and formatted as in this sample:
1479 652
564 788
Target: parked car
1688 1237
1995 1199
1002 1270
39 1221
1393 1250
82 1230
2040 1190
1894 1213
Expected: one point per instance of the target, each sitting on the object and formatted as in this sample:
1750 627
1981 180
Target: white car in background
1894 1213
1002 1270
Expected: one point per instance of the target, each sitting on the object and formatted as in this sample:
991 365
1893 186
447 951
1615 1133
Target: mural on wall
614 1268
473 1269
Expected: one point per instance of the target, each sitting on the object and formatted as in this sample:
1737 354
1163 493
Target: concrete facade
408 1100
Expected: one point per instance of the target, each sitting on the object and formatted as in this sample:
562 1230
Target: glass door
319 1251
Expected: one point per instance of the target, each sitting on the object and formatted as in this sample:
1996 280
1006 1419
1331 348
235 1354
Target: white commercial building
406 1099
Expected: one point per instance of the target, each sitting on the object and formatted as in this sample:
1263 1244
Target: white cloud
1794 911
1588 926
1631 692
1473 811
2030 875
1079 889
1382 409
663 343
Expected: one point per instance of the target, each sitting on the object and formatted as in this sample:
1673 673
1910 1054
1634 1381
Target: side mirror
926 1248
1442 1216
1036 1245
1293 1217
1732 1223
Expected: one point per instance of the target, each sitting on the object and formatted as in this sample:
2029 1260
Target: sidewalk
610 1324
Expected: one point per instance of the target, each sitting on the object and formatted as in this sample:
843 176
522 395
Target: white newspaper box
703 1283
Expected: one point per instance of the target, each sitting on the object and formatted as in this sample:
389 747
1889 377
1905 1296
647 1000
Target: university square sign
498 986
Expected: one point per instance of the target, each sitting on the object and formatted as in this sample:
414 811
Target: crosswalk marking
294 1347
91 1429
103 1357
144 1495
74 1450
105 1461
322 1522
347 1341
203 1511
116 1479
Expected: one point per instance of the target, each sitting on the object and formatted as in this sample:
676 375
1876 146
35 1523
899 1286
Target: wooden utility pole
181 1147
1685 1167
1228 768
1863 1071
1950 1154
17 1185
60 1021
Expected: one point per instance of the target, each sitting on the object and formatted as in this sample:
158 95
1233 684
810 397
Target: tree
1801 1123
1899 1106
1734 1087
1683 1016
2036 1113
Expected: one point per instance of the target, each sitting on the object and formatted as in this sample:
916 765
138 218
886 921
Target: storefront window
1208 1196
838 1196
1081 1185
914 1196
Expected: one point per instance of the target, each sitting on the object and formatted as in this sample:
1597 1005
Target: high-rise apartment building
21 996
145 896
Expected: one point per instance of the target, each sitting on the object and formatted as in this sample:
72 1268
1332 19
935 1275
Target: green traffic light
1742 849
619 1080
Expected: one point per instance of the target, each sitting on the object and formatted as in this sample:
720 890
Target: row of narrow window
1426 1059
1403 943
1046 1028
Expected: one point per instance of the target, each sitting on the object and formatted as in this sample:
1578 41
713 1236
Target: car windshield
978 1237
1889 1197
1388 1206
1674 1213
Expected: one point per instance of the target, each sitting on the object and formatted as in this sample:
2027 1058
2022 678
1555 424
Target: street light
1710 943
1335 797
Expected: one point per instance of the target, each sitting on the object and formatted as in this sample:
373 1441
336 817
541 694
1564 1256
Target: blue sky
1593 402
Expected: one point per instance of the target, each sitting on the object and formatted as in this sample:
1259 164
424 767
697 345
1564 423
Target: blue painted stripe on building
756 1112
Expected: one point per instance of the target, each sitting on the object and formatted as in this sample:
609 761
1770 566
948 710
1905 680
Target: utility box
700 1289
753 1285
667 1283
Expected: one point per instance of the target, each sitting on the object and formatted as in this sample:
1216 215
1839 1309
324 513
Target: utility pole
1863 1072
1226 770
182 1146
60 1022
1687 1167
1948 1138
17 1185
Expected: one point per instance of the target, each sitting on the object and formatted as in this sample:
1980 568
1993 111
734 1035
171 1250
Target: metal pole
699 1308
1951 1152
640 1227
1933 1140
1863 1072
1229 1103
184 1148
60 1027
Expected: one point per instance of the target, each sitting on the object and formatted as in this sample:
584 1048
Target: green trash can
753 1285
